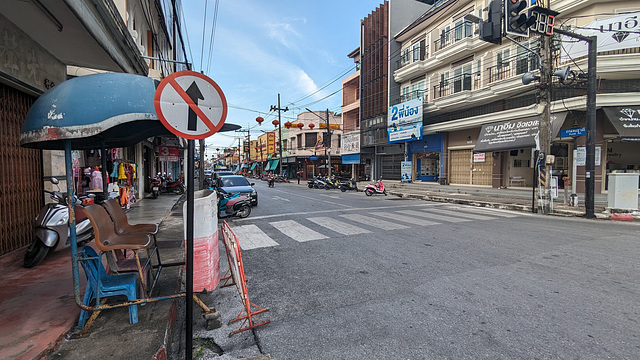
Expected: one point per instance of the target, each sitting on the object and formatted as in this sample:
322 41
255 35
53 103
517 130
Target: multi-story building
350 145
304 144
42 45
480 121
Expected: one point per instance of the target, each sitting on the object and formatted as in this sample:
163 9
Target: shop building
43 45
486 119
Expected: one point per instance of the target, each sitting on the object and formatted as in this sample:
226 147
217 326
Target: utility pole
279 132
328 140
328 145
544 206
201 166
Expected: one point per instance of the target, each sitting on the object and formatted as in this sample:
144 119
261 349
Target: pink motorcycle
375 188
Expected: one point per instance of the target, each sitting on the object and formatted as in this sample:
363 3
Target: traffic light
516 20
491 30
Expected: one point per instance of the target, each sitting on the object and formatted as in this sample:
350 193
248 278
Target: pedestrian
566 179
299 175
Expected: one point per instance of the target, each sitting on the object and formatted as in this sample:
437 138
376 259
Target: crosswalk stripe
297 231
251 237
404 218
430 215
380 224
462 214
485 211
338 226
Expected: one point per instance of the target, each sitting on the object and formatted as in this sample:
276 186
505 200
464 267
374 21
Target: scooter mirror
54 181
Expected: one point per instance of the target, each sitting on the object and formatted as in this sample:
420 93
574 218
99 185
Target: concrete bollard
206 256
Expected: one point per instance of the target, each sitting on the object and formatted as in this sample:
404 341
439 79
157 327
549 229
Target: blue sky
262 48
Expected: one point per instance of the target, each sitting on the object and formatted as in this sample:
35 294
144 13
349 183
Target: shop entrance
428 166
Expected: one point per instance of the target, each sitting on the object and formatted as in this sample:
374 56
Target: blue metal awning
111 107
114 108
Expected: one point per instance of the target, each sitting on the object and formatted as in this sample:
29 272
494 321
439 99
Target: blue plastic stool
99 284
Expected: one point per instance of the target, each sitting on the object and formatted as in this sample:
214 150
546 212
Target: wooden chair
107 239
118 262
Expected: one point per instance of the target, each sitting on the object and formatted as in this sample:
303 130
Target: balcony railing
456 84
512 67
414 95
450 37
415 55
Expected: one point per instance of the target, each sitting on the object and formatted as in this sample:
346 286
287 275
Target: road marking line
380 224
463 215
297 231
487 211
338 226
432 216
251 237
404 218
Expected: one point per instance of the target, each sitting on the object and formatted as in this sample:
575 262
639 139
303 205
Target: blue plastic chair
99 284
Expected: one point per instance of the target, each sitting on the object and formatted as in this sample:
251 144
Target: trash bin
206 256
623 191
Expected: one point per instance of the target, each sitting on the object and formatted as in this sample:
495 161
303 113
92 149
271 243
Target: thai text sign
614 33
405 121
168 153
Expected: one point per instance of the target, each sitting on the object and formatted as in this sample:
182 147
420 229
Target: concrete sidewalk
38 309
515 198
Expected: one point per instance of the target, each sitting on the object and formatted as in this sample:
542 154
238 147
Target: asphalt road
347 276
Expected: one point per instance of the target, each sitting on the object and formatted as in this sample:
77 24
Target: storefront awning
253 166
626 121
515 134
274 165
268 167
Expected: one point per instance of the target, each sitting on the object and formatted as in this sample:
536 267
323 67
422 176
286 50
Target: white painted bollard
206 257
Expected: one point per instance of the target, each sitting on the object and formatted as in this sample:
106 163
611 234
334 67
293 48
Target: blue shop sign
573 132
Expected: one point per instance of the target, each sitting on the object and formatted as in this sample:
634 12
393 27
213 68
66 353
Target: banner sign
405 121
350 143
168 153
573 132
405 170
614 33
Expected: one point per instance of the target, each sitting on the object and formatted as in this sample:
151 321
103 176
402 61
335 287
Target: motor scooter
271 181
174 186
51 228
311 182
375 188
331 183
156 185
233 205
349 185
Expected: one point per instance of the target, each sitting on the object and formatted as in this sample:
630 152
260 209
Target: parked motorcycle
332 183
174 186
311 182
162 184
375 188
156 185
233 205
349 185
51 228
319 183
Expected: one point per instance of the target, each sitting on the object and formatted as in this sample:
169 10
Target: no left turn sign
190 105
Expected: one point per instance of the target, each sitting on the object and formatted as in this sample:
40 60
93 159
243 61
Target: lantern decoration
259 119
300 125
275 122
311 126
217 149
288 124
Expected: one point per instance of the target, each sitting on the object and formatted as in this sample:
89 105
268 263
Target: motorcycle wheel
178 190
368 192
385 192
244 211
343 189
154 194
35 253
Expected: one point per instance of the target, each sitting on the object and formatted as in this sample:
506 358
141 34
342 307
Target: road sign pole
189 248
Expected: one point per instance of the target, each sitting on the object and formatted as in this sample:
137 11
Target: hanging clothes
114 173
96 179
121 174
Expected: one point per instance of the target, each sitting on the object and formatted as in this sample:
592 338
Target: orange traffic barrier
235 276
